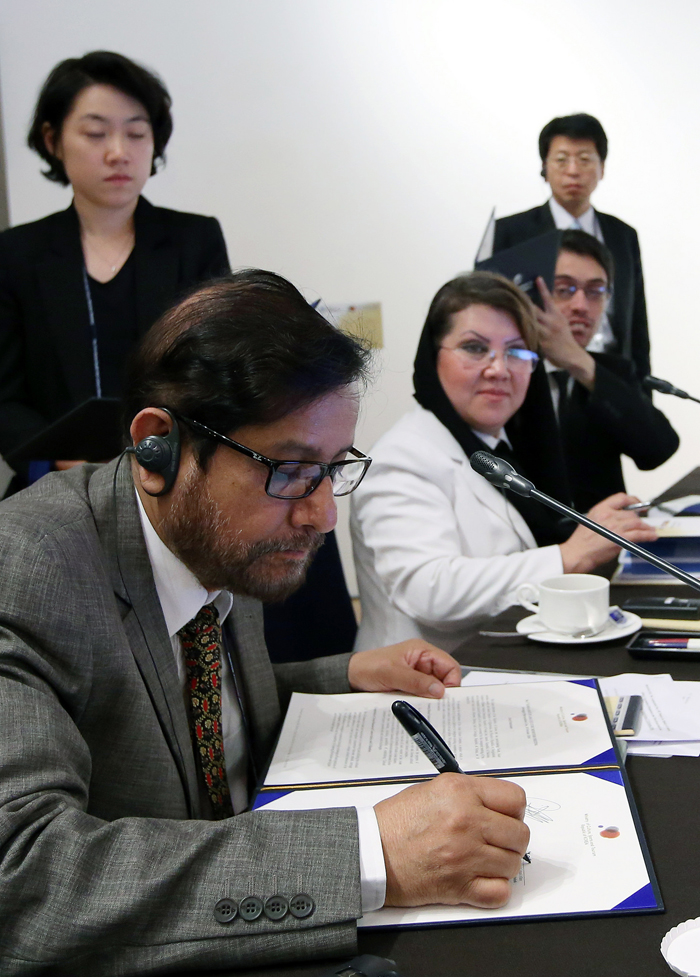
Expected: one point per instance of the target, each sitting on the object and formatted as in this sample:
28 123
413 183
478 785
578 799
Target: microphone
501 474
664 387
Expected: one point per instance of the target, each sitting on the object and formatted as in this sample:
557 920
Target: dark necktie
544 525
202 644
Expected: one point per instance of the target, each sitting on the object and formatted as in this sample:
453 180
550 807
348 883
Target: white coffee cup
568 603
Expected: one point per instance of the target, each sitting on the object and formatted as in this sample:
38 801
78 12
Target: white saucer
681 948
533 629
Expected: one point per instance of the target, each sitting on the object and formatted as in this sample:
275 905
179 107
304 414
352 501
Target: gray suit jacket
108 864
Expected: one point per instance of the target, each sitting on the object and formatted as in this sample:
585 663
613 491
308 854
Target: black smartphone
665 645
676 608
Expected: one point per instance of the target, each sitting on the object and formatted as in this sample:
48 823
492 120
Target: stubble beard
199 534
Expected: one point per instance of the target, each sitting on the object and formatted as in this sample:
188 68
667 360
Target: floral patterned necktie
202 644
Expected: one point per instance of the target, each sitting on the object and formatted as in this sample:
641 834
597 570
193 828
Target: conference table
667 792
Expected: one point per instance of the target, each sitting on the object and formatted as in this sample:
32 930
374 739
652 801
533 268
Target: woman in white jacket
438 548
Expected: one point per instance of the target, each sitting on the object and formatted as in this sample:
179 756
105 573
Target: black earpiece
161 454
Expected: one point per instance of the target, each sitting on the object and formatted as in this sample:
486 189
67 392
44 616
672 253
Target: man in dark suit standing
573 150
602 409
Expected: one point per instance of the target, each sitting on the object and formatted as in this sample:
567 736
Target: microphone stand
501 474
626 544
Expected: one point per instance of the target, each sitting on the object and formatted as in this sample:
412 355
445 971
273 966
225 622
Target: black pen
427 739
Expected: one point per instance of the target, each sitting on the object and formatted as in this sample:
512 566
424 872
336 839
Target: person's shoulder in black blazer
615 418
45 353
517 228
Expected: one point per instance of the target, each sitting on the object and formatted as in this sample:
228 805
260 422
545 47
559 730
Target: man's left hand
412 666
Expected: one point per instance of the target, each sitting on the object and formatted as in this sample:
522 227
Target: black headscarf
532 432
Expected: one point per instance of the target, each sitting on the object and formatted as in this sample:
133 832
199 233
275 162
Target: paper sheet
474 677
690 695
663 749
674 525
665 716
586 855
662 696
356 738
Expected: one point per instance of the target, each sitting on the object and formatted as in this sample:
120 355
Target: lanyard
93 334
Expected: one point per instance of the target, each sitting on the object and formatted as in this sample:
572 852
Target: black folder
525 261
90 432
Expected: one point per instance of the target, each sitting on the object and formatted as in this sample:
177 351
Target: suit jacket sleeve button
276 907
301 906
225 910
250 908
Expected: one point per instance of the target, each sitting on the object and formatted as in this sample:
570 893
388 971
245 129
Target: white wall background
357 146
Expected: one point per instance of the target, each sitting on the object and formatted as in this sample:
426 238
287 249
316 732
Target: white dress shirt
588 222
490 441
182 597
564 221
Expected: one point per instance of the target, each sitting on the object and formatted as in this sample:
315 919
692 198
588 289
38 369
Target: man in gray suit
137 701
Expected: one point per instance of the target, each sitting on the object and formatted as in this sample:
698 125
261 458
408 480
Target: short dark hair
579 126
481 288
578 242
245 349
71 76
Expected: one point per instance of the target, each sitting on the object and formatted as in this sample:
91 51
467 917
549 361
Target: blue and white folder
678 543
588 854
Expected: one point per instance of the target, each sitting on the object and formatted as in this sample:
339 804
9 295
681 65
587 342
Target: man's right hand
455 839
557 342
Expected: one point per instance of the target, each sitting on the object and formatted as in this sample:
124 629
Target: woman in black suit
78 288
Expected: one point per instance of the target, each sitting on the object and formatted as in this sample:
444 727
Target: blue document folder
588 853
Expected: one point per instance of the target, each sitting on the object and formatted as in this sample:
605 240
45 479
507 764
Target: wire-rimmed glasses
515 358
585 160
594 291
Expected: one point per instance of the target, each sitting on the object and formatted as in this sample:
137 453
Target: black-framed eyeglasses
296 479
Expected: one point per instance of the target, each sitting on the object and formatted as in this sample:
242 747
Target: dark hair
245 349
579 126
578 242
481 288
70 77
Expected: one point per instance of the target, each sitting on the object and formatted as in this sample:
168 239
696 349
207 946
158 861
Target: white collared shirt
490 441
564 221
588 222
182 597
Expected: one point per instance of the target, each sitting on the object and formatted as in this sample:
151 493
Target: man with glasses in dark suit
138 704
573 150
602 409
